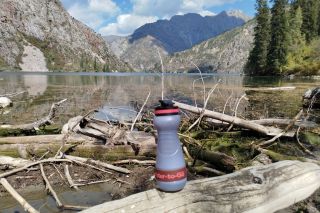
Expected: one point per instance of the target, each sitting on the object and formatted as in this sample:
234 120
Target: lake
118 94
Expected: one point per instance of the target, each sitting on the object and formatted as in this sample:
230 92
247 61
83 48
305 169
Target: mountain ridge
142 54
67 44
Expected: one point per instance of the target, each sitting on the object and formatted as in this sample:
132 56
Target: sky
122 17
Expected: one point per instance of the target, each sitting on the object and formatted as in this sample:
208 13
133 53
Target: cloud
126 24
97 13
94 12
159 8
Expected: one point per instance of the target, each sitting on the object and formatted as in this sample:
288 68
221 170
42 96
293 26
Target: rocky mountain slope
45 25
182 32
225 53
140 49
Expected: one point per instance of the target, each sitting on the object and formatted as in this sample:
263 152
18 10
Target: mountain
142 54
181 32
40 34
226 53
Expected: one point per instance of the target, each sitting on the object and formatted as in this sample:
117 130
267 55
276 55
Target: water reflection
86 92
35 84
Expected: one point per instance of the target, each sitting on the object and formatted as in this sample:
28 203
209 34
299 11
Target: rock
179 33
66 43
226 53
5 102
312 96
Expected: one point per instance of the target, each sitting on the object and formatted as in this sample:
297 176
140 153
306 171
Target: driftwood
99 163
36 125
261 189
270 131
6 174
26 206
97 151
13 162
44 139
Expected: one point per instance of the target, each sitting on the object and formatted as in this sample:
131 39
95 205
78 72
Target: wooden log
39 139
6 174
13 162
271 131
101 152
26 206
99 163
35 125
261 189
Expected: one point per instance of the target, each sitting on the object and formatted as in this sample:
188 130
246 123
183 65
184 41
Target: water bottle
171 172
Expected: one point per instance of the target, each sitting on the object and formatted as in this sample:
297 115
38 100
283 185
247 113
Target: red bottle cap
166 108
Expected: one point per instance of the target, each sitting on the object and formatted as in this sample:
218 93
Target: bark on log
101 152
262 189
271 131
218 159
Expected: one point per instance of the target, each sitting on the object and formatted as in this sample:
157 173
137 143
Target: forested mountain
287 38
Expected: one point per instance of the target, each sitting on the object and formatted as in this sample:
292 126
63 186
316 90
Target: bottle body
171 173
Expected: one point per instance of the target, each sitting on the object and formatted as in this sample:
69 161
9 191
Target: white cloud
126 24
160 8
94 12
104 6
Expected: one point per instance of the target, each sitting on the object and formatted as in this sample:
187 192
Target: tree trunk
271 131
262 189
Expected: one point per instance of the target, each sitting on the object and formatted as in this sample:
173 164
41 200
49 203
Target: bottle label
169 176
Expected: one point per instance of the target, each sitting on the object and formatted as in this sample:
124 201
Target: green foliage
294 47
257 62
305 61
279 44
310 9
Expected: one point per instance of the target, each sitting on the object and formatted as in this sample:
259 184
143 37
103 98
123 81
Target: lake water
121 94
87 91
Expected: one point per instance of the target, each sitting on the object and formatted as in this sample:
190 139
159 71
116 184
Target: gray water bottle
171 172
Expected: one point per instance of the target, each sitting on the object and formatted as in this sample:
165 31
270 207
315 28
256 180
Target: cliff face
225 53
66 43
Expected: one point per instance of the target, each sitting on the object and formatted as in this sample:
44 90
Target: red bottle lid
166 108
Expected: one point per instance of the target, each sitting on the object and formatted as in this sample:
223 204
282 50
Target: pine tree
95 67
296 38
278 49
257 61
310 10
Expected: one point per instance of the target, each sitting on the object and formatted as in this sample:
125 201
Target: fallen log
13 162
261 189
37 124
44 139
99 163
270 131
26 206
